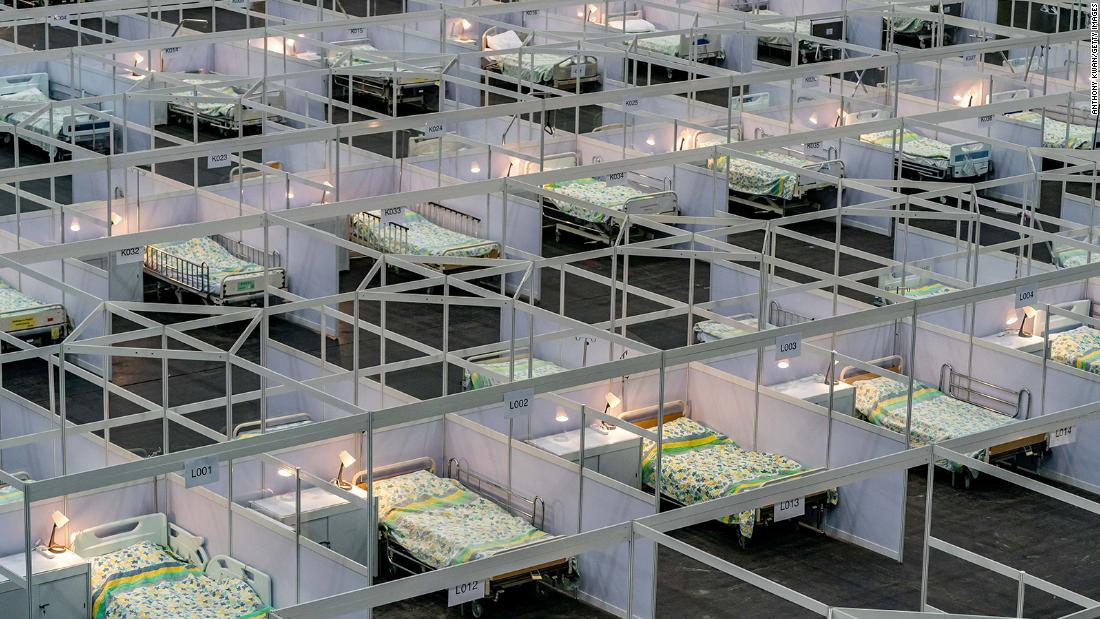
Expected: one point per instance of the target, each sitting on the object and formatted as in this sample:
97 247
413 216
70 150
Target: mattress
936 417
612 197
1055 131
206 250
9 495
423 238
761 179
1078 347
536 67
914 147
804 27
222 109
712 330
699 464
146 581
477 380
441 523
14 303
925 290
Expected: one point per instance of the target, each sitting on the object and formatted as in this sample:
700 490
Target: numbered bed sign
1025 295
217 160
519 403
809 81
789 508
393 215
788 346
433 129
201 471
130 255
466 592
1062 436
631 104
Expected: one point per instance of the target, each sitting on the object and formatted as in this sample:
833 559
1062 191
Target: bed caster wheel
967 480
391 569
742 541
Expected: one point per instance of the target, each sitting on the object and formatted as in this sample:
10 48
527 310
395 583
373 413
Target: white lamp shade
613 400
60 519
347 459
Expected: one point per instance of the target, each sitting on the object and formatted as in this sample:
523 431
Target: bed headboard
897 366
12 84
646 417
560 161
751 102
222 566
1009 95
494 30
1059 323
396 469
864 116
152 528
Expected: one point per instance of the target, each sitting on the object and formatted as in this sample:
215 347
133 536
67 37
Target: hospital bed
249 429
1071 342
630 192
912 286
931 159
229 118
700 464
713 330
480 518
920 31
960 406
554 69
82 128
28 318
1056 133
133 574
767 188
218 269
419 234
10 494
497 363
424 145
381 84
779 46
699 46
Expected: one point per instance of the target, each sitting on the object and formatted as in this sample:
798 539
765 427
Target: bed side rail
177 269
392 238
780 317
531 509
248 252
985 394
449 218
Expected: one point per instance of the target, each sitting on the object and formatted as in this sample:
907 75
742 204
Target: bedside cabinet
616 454
59 586
814 390
1032 344
327 519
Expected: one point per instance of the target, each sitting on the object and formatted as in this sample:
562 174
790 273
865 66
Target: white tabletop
41 562
313 499
567 443
1015 340
805 389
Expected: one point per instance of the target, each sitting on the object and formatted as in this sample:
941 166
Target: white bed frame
273 423
891 282
423 145
563 78
156 529
436 214
382 85
661 202
242 116
85 129
704 46
183 274
966 160
48 320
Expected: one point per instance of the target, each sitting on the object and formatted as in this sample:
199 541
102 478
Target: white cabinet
327 519
815 390
616 454
1032 344
59 586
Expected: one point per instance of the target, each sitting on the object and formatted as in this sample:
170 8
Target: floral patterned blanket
48 123
423 238
925 290
222 109
15 303
477 380
146 581
914 146
612 197
1066 256
759 179
711 330
441 523
1058 134
205 250
936 416
699 464
10 495
1078 347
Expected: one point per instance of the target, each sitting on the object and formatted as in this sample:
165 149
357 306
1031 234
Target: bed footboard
221 566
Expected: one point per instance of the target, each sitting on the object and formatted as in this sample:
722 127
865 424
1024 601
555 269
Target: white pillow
504 40
632 25
30 95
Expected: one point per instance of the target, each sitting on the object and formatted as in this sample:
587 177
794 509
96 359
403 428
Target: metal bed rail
779 317
985 394
533 509
390 238
247 252
449 218
177 270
